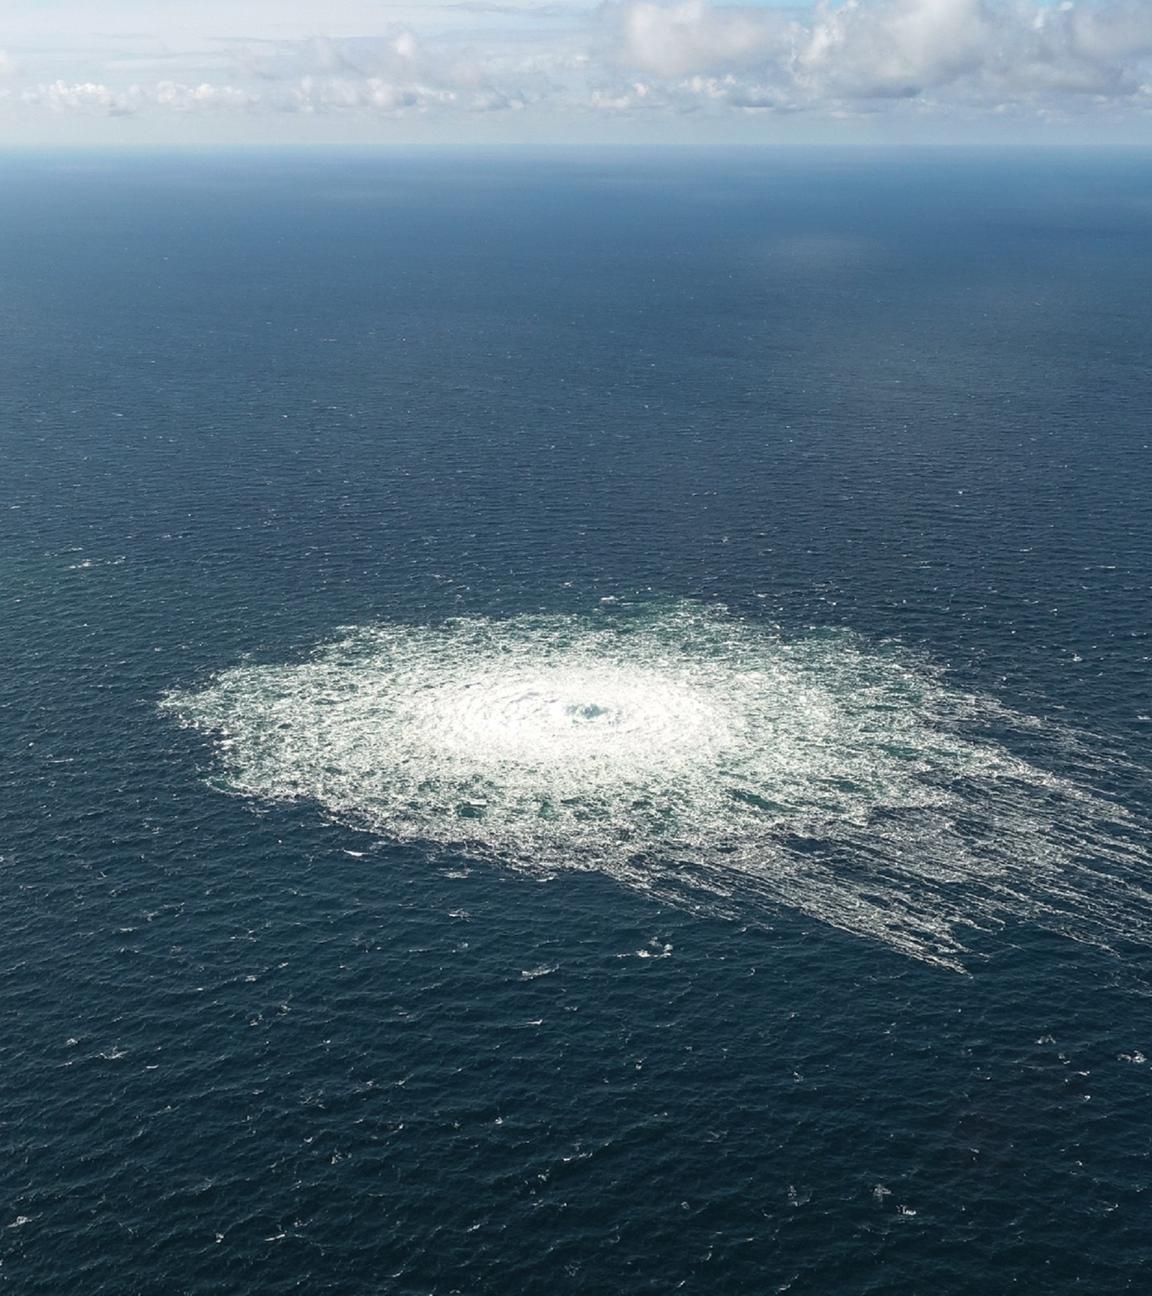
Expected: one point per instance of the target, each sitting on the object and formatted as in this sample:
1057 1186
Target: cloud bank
621 61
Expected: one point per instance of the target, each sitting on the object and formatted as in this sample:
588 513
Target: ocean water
576 724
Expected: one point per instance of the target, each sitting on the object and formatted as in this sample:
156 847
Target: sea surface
576 724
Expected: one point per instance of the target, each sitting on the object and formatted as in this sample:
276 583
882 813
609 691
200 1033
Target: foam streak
696 757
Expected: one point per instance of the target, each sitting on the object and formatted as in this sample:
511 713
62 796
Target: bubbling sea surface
696 756
349 969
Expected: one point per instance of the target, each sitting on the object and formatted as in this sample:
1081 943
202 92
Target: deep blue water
248 401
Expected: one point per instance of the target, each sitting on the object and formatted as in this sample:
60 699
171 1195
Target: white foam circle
693 755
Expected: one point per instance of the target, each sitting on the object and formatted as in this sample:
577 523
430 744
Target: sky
446 72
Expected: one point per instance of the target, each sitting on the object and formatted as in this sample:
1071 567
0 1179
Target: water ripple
698 757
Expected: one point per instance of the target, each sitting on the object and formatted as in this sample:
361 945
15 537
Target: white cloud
908 48
1003 59
96 98
692 37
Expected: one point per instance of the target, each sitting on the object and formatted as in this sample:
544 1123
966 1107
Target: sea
576 722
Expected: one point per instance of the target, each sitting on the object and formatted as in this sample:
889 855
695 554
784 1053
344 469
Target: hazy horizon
632 72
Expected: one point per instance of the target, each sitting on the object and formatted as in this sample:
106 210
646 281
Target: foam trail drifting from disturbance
694 756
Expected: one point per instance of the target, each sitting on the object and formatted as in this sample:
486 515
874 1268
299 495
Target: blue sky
149 72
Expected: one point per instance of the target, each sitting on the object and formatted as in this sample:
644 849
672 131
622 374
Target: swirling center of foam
694 756
590 715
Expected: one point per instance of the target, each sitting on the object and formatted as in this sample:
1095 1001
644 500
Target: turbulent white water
692 755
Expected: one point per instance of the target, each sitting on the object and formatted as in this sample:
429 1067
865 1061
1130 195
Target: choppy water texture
695 756
744 567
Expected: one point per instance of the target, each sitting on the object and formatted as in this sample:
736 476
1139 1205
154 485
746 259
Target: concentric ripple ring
698 757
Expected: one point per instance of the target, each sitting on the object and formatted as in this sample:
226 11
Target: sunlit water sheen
694 755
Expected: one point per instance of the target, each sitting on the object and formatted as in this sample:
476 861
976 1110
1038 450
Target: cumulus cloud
97 99
647 58
909 48
692 37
